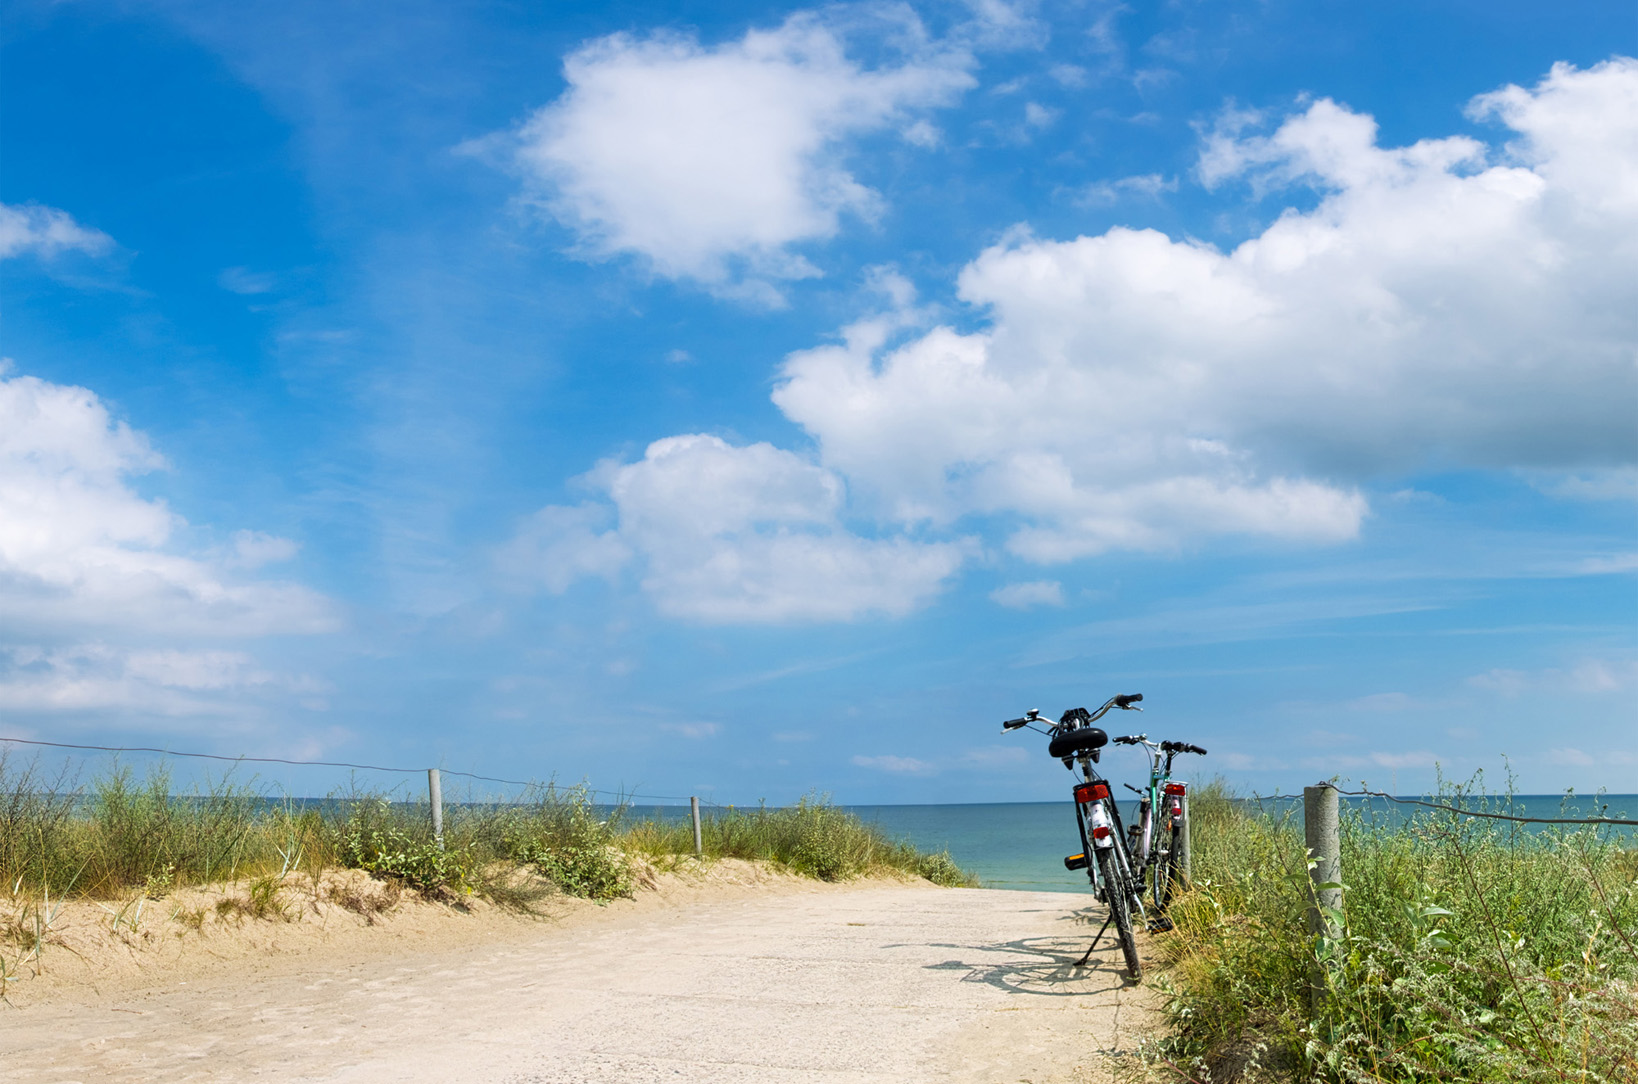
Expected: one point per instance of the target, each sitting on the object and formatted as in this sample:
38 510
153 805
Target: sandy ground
735 974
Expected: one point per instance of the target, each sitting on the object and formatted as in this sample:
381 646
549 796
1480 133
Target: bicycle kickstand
1082 961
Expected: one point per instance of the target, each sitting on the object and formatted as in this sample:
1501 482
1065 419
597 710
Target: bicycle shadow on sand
1044 966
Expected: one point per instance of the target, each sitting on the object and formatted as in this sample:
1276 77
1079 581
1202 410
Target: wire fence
1623 821
623 796
619 796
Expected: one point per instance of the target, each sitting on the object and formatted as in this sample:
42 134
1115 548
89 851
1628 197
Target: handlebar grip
1125 739
1126 700
1196 749
1014 724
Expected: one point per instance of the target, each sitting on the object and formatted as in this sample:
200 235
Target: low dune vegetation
1469 950
121 836
811 837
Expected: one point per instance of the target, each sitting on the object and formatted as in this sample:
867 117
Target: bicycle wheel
1120 909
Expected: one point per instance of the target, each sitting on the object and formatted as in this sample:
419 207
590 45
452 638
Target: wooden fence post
435 794
694 812
1320 832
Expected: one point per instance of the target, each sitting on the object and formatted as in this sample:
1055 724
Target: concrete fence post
1324 840
694 814
435 795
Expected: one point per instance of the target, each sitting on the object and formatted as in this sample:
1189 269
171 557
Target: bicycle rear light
1091 792
1103 837
1177 788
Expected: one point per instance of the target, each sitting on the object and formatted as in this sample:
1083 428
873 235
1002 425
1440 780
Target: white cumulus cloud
727 533
1450 304
711 162
81 551
1445 303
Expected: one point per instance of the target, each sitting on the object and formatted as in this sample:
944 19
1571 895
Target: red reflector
1177 788
1177 809
1100 831
1091 792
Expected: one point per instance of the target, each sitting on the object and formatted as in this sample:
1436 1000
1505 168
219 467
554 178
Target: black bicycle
1104 857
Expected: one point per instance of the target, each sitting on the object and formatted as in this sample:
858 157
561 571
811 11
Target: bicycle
1159 841
1103 842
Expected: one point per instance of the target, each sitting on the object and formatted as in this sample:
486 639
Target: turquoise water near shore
1022 845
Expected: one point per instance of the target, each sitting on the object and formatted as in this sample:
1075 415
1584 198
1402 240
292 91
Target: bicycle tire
1169 875
1120 910
1178 863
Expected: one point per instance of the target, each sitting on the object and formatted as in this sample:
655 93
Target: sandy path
874 983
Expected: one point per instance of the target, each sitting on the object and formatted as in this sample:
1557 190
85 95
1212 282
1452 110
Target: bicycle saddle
1072 743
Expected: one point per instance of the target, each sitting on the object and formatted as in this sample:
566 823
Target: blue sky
749 400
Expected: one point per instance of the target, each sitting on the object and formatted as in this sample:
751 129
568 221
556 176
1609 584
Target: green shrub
941 869
563 839
369 841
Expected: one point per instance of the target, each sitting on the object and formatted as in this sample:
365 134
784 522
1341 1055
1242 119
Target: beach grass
120 833
812 837
1470 950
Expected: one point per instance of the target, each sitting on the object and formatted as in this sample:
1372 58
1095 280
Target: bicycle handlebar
1181 747
1075 716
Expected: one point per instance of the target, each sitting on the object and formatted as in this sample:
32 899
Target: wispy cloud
895 765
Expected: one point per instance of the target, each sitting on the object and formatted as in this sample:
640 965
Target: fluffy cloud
1443 305
46 231
102 610
711 162
81 552
734 534
1446 304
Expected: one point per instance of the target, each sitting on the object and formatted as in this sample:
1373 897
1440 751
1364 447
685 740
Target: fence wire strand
338 764
1627 821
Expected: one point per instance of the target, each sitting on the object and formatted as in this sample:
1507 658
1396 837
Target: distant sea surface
1022 845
